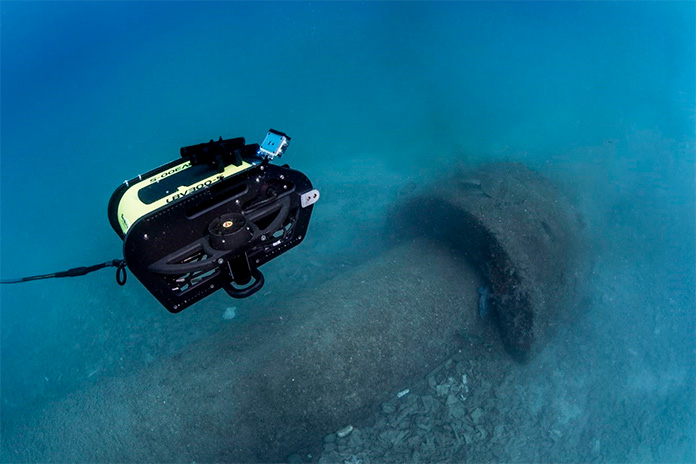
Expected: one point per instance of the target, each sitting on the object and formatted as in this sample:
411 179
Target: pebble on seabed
230 312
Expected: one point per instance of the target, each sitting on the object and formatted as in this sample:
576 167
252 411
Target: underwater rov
207 221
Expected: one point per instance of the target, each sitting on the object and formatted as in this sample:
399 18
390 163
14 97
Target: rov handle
247 291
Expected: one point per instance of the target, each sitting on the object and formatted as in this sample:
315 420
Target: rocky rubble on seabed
486 410
439 419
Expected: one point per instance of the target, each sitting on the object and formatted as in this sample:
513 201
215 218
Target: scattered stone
414 441
343 448
476 415
412 401
388 407
596 447
402 434
355 439
402 419
329 448
468 428
432 382
442 390
345 431
468 438
555 435
456 410
430 404
415 457
498 431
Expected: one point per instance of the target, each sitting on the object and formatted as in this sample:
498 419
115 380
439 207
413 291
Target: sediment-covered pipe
258 392
518 229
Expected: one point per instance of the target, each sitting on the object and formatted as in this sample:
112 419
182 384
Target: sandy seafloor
600 98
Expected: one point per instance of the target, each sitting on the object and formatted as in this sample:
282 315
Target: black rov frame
215 229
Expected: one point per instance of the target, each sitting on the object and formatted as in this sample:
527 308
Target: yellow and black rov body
208 220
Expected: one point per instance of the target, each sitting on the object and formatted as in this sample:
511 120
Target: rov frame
209 220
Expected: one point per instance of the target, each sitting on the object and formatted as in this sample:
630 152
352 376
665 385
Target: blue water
598 96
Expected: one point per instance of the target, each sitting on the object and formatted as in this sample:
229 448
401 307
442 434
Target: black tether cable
119 264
